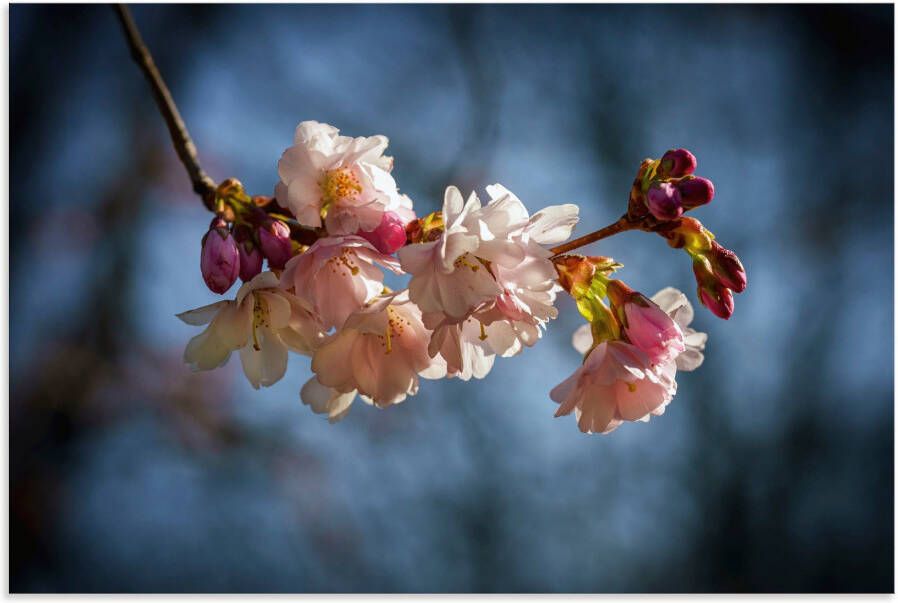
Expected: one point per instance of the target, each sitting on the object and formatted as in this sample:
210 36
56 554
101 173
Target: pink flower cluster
482 281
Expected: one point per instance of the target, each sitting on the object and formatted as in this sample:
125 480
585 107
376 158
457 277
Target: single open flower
447 275
263 322
344 180
381 350
461 344
617 382
646 325
336 276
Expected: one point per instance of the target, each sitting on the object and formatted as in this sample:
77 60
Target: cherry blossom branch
203 185
622 225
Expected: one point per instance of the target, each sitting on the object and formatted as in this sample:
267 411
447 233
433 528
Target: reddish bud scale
620 293
687 233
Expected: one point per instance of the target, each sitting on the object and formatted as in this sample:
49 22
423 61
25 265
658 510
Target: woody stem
623 224
203 185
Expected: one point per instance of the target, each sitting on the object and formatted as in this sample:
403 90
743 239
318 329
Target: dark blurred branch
203 185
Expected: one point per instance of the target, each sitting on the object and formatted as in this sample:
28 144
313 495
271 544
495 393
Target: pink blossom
616 383
337 275
346 180
263 322
380 351
650 329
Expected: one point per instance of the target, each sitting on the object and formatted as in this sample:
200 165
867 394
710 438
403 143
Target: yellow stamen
338 184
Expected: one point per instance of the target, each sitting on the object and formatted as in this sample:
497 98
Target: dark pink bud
219 259
663 201
274 239
719 301
713 295
677 163
388 236
695 191
250 256
727 268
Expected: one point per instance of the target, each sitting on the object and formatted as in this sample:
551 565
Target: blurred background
771 471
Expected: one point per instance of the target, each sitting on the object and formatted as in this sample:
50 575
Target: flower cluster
482 282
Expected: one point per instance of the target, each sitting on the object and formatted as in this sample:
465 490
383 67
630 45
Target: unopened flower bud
663 200
719 301
274 238
389 236
677 163
712 293
219 259
695 191
250 256
727 268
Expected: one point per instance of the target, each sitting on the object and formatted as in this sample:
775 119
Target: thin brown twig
623 224
203 185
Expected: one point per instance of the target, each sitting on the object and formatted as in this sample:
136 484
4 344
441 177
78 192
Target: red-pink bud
719 301
274 239
663 200
712 293
219 259
250 256
727 268
677 163
388 236
695 191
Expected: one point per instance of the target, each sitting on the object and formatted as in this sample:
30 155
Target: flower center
338 184
467 261
343 263
396 326
260 318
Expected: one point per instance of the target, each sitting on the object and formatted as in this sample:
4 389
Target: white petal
553 224
203 315
582 339
279 310
206 351
324 400
676 304
267 365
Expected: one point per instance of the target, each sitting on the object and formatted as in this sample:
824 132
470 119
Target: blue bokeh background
771 471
